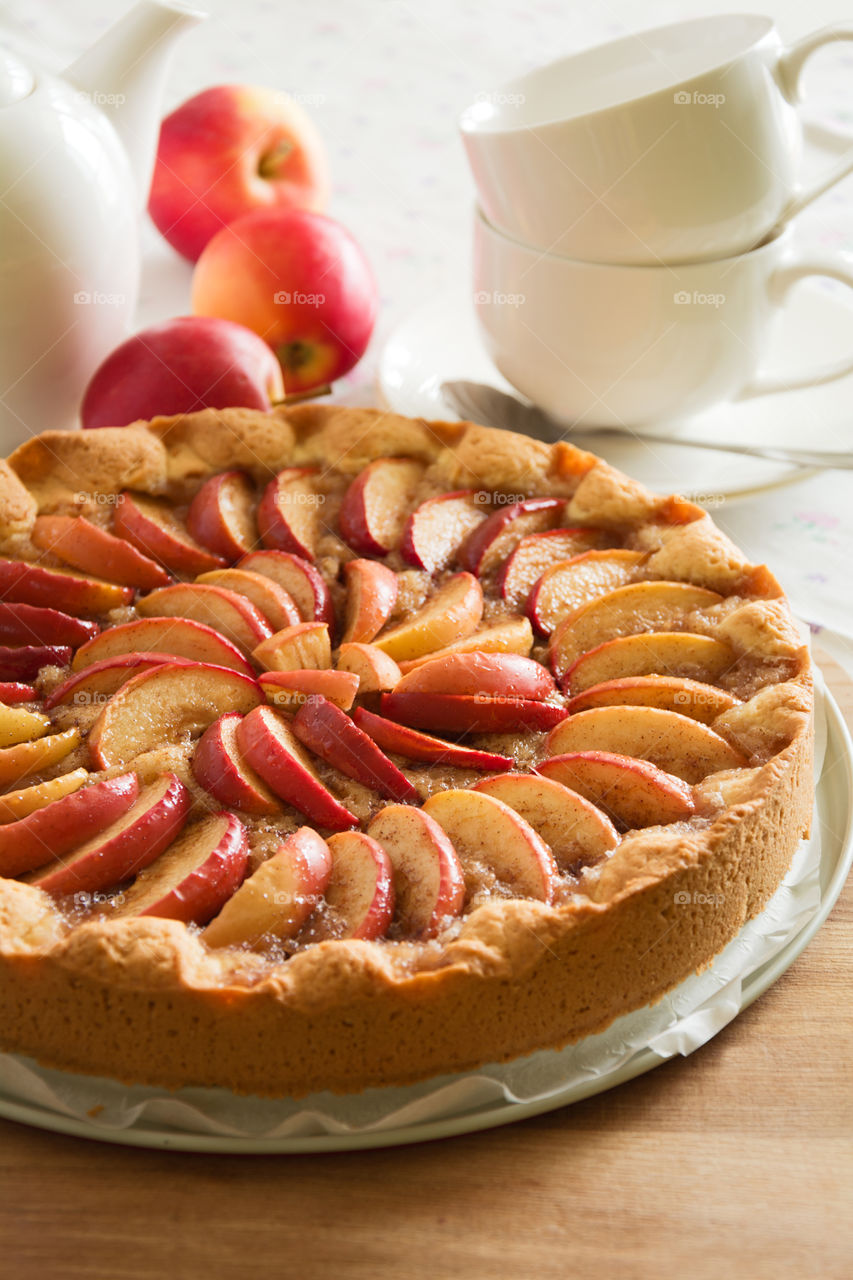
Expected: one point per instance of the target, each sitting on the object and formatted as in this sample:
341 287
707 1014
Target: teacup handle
779 286
789 70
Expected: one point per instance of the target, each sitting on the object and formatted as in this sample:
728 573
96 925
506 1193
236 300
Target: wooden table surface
735 1162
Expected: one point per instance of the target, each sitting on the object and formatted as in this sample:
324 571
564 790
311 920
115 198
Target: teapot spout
124 72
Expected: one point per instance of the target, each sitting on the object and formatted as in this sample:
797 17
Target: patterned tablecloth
385 80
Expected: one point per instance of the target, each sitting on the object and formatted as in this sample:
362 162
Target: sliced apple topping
635 793
376 505
429 886
375 671
289 690
29 624
671 693
577 833
470 713
128 844
221 516
674 653
150 525
360 893
452 612
513 635
272 749
570 584
277 899
76 541
492 540
196 875
63 824
232 615
371 596
27 758
13 692
17 804
437 528
523 568
330 733
412 744
177 637
19 725
305 585
486 832
506 674
220 768
270 600
24 662
289 513
682 746
24 583
302 647
98 682
636 608
167 704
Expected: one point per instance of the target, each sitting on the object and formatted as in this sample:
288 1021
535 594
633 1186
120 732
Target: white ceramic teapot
76 157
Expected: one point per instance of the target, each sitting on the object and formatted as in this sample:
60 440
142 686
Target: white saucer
439 342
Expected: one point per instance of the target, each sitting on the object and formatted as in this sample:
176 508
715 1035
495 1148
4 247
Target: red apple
493 539
152 527
179 637
12 692
300 281
232 615
83 545
360 892
228 150
414 745
298 577
480 673
29 624
100 680
180 366
22 582
371 596
219 767
470 713
222 515
58 827
288 690
329 732
376 505
289 512
26 661
438 527
429 885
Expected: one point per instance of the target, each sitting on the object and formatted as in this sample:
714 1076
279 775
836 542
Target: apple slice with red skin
330 733
130 843
26 661
429 886
150 525
178 637
18 804
302 647
29 624
671 693
195 876
437 528
289 690
289 512
56 828
470 713
164 705
277 899
513 635
375 671
230 614
535 553
494 538
360 893
270 600
571 584
480 673
678 653
303 583
98 682
635 793
13 692
272 749
221 516
485 830
22 582
414 745
371 596
678 744
375 507
221 770
452 612
577 833
83 545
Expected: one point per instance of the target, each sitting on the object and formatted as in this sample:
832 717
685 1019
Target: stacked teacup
633 240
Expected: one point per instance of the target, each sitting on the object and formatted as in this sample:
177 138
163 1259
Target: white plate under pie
107 1111
439 343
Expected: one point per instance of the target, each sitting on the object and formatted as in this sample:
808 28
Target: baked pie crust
145 1000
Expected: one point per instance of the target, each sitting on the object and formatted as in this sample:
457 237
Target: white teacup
609 345
671 145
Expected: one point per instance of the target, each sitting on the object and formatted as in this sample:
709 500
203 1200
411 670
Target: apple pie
340 749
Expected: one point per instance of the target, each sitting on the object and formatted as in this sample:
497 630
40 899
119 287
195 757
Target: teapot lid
16 79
